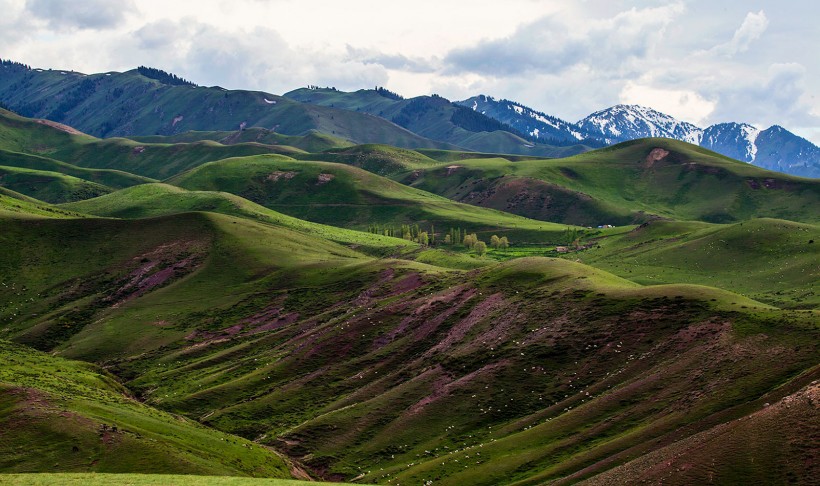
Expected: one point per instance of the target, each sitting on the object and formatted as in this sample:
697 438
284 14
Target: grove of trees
453 237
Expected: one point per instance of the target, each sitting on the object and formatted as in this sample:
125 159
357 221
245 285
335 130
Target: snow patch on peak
750 133
627 122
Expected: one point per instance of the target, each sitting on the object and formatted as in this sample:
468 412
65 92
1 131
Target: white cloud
84 14
556 42
563 57
686 105
752 28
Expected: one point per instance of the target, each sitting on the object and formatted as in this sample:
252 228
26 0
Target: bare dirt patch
60 126
277 175
324 179
656 155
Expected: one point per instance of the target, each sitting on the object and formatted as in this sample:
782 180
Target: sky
702 61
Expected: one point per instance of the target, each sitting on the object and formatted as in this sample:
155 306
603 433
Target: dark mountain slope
129 103
435 118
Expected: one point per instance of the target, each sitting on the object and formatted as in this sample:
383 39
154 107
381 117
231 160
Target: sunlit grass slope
770 260
48 186
58 414
162 199
342 195
629 182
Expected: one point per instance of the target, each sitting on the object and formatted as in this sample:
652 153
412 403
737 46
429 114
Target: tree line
453 237
163 77
15 64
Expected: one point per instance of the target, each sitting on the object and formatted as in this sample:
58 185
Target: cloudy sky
703 61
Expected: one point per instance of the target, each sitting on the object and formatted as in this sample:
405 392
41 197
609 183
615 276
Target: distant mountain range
774 148
147 101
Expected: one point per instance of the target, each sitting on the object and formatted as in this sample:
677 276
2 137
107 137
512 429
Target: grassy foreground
46 479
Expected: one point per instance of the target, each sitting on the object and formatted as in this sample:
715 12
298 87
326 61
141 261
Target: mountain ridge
773 148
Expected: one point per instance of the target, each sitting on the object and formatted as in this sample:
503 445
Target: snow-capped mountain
779 149
545 128
735 140
627 122
774 148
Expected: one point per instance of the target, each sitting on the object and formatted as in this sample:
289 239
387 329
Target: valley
327 297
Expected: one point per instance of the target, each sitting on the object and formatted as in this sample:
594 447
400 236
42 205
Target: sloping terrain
53 187
627 183
774 443
535 368
74 417
122 161
312 142
774 148
130 103
536 124
769 260
435 118
149 200
114 179
19 205
205 311
342 195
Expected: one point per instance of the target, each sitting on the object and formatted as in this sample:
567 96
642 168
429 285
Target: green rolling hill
232 321
15 204
768 260
150 200
114 179
335 358
314 141
71 416
627 183
342 195
53 187
48 140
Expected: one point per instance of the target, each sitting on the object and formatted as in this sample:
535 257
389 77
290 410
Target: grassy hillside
129 103
534 368
629 182
435 118
768 260
61 143
149 200
58 479
346 196
52 187
114 179
209 312
312 142
772 444
378 159
74 417
347 404
18 205
181 257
